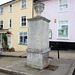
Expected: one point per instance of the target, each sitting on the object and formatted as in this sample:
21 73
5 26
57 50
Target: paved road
8 60
3 74
63 54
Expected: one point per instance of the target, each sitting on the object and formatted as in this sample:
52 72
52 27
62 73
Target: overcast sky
4 1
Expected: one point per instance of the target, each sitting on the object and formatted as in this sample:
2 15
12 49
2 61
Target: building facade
62 25
13 21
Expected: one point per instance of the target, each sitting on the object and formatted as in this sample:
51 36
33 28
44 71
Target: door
10 40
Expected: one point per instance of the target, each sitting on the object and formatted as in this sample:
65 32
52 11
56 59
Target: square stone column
38 42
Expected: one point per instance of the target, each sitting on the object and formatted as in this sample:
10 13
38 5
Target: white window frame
21 21
58 28
22 4
1 24
63 10
23 38
1 11
9 22
10 8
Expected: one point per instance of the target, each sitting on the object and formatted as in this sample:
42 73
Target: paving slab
66 63
20 67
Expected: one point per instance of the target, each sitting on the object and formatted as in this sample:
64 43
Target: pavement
15 54
70 54
17 66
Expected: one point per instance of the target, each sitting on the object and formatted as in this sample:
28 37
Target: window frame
21 21
63 10
23 38
1 24
22 4
10 8
50 34
1 11
58 28
9 22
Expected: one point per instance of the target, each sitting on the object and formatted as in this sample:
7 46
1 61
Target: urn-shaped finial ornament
39 7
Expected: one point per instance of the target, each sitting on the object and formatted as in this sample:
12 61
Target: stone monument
38 40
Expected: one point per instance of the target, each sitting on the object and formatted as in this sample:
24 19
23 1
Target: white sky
4 1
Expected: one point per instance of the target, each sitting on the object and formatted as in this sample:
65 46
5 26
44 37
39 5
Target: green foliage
4 37
5 47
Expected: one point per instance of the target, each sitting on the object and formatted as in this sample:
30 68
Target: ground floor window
50 34
63 29
23 38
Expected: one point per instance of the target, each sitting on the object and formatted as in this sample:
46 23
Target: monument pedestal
38 42
38 58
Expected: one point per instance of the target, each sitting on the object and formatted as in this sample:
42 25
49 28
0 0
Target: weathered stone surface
38 42
37 60
39 7
38 34
30 50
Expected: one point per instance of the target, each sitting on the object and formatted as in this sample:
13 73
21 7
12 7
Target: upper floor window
10 23
23 21
23 4
1 10
63 29
63 5
1 24
23 38
10 7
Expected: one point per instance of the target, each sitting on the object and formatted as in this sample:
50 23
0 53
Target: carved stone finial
39 7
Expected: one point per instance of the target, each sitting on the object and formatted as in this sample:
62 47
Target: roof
7 2
39 0
17 0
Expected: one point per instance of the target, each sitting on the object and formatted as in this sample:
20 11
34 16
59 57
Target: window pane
10 25
23 21
11 5
25 18
25 33
23 38
10 9
63 29
23 5
23 1
10 22
63 5
21 33
1 24
63 1
1 10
